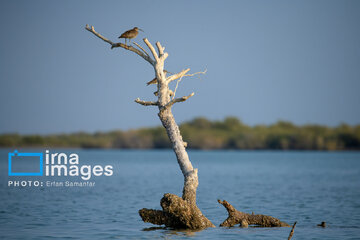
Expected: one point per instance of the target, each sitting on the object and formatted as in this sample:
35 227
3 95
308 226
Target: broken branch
292 231
176 100
92 30
152 49
161 49
146 103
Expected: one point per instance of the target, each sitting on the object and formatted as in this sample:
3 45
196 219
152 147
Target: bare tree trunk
177 212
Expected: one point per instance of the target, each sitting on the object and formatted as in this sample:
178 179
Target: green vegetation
201 133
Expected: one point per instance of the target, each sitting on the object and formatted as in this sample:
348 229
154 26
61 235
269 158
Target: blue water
307 187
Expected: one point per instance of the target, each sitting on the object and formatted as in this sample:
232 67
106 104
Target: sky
266 61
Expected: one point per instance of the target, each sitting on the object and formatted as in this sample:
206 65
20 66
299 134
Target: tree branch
146 103
292 231
177 75
227 206
161 49
152 49
115 45
92 30
141 48
190 75
186 75
176 100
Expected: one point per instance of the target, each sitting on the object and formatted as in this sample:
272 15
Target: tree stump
177 213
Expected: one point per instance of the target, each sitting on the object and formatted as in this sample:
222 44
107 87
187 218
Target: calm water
307 187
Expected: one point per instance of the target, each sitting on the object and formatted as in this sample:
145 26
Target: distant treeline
201 133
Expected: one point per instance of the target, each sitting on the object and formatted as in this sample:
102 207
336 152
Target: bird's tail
154 81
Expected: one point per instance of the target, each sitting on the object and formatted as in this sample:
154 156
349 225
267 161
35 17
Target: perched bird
130 34
154 81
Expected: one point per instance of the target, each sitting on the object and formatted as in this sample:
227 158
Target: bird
129 34
322 224
154 81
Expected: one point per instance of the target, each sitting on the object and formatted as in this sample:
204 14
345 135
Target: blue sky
266 61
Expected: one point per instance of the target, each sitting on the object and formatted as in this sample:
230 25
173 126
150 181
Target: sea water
307 187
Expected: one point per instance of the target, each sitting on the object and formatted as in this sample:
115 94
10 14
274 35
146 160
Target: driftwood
246 219
177 212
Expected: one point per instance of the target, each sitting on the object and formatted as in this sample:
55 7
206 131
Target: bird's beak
140 29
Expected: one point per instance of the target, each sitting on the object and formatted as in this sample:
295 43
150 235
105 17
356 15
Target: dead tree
246 219
177 212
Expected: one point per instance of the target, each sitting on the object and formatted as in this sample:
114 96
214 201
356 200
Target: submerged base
177 213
